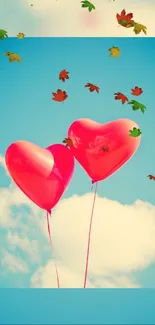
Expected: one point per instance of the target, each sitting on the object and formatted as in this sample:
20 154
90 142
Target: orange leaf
92 87
59 96
63 75
120 96
68 142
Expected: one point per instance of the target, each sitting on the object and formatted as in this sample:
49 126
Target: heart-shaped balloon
102 149
42 174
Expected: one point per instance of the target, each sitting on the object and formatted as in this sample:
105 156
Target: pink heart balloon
42 174
102 149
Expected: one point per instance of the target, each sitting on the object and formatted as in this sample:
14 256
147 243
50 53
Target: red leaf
92 87
63 75
136 91
129 16
124 19
123 12
118 17
59 96
151 177
120 96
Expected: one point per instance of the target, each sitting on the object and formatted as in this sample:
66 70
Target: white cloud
3 164
2 161
30 247
123 241
13 263
123 237
67 18
116 282
45 277
10 197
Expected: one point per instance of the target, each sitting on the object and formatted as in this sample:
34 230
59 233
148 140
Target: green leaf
135 132
93 7
136 105
87 4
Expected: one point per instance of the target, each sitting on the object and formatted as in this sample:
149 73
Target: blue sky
28 112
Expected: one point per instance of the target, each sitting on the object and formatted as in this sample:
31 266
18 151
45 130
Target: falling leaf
68 142
63 75
13 57
92 87
20 36
59 96
136 105
114 51
120 96
135 132
3 34
124 19
138 28
151 177
87 4
136 91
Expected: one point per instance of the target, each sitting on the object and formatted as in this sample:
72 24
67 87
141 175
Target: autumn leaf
63 75
92 87
124 19
68 142
136 91
120 96
59 96
114 51
151 177
138 28
20 35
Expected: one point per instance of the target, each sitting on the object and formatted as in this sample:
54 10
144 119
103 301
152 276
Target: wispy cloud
3 164
30 247
45 277
13 263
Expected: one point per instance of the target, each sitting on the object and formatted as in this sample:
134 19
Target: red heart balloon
102 149
42 174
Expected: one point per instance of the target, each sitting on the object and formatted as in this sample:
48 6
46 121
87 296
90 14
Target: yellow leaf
138 28
20 36
114 51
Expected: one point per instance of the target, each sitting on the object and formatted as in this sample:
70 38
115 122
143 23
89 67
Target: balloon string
89 238
50 238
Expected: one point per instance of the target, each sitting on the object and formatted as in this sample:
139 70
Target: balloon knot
93 181
49 212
